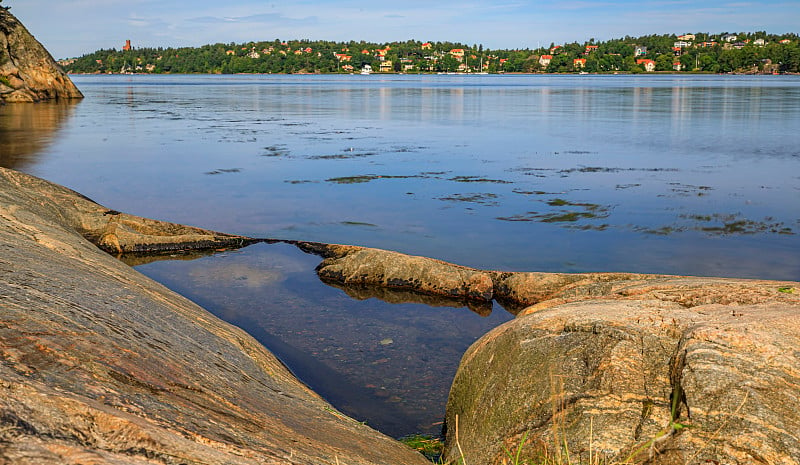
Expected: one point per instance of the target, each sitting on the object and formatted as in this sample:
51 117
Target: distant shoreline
620 73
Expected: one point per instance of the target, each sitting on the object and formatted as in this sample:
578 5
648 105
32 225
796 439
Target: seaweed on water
478 179
223 170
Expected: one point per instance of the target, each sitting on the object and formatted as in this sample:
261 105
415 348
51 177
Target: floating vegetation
358 223
537 172
300 181
366 178
734 224
352 179
662 231
721 225
603 169
434 173
343 156
688 190
407 149
520 191
479 179
223 170
478 198
626 186
575 212
275 151
558 202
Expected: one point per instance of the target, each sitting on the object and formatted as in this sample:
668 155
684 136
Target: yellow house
457 53
386 66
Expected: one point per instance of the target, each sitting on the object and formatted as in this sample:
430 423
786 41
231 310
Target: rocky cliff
27 71
100 365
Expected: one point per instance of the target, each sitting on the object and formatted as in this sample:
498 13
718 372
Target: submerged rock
101 365
28 72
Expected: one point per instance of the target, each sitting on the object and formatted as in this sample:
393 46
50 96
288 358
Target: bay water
689 175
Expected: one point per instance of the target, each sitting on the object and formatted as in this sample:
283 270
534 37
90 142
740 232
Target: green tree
664 62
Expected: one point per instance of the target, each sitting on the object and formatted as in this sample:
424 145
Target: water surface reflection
386 358
27 129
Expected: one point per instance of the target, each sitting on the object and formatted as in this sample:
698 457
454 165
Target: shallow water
696 175
387 364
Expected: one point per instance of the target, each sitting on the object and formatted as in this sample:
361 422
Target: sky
76 27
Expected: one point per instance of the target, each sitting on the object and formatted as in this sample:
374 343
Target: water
693 175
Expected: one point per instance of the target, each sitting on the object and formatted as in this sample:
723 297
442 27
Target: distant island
751 53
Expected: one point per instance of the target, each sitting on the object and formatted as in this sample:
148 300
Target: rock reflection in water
388 360
394 296
26 130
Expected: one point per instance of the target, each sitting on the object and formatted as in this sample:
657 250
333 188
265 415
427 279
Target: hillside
758 52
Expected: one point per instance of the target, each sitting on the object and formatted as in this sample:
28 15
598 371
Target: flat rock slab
101 365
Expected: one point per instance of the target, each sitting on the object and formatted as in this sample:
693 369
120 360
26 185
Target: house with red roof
457 53
649 65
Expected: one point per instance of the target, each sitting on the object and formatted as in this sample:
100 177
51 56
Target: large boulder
101 365
653 370
28 72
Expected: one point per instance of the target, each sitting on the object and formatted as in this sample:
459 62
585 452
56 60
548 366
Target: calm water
694 175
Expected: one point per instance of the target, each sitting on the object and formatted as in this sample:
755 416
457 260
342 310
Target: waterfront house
729 37
760 42
579 63
640 50
649 65
590 49
687 37
544 60
426 46
682 44
386 66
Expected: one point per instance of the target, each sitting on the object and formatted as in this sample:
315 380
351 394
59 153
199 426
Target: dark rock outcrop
100 365
28 72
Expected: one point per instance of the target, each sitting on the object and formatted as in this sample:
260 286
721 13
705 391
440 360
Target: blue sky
72 28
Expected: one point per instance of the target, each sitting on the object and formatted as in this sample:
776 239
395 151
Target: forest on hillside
757 52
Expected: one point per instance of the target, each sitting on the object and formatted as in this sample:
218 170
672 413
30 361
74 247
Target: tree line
748 53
